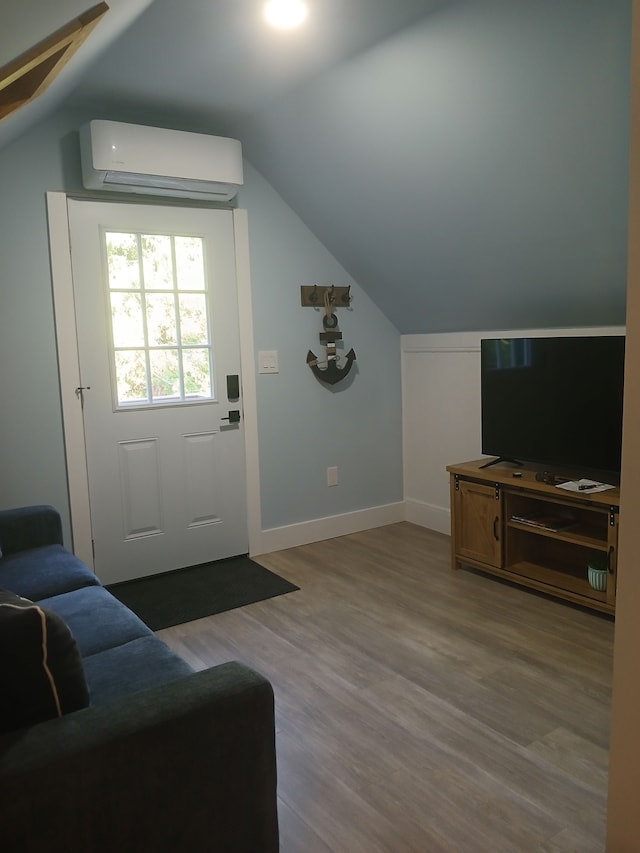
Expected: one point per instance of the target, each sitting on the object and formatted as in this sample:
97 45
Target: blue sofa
155 757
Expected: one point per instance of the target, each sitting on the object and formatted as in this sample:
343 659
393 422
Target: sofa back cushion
40 667
38 573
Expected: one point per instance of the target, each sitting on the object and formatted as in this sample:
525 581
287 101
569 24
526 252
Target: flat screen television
554 402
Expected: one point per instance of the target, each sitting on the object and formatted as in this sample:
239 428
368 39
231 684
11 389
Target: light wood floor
421 709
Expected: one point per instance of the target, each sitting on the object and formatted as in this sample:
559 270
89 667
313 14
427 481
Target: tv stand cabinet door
476 523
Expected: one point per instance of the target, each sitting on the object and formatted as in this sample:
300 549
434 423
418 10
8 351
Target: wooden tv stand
580 527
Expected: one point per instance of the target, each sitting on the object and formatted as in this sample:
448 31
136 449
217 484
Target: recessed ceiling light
285 14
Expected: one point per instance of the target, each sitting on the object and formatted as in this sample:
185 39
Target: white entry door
158 343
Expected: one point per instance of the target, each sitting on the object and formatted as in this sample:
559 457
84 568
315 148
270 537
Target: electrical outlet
332 476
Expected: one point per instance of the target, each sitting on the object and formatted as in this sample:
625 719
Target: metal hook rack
312 295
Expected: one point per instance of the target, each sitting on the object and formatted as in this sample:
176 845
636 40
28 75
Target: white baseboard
292 535
436 518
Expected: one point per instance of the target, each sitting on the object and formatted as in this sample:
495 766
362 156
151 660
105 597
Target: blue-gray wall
32 462
306 426
473 168
303 426
469 172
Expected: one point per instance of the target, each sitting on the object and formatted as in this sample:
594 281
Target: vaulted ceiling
464 160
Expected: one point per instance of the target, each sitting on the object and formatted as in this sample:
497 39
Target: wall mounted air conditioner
134 158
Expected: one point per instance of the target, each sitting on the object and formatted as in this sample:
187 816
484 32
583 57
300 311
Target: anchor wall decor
328 296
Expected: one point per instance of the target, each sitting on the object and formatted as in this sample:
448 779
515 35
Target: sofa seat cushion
41 670
42 572
138 665
97 620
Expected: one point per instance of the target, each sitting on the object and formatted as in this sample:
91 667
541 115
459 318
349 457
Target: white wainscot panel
141 488
202 481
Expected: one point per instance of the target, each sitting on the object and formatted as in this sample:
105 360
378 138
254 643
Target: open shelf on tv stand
534 533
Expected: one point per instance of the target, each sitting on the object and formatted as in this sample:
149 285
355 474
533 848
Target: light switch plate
268 361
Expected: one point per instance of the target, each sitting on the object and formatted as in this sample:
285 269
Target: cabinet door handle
610 559
495 528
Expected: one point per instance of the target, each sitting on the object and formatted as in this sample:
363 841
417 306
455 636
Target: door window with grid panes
160 326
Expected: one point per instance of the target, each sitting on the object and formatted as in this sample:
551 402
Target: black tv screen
555 402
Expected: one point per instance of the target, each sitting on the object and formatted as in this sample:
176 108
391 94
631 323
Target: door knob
233 417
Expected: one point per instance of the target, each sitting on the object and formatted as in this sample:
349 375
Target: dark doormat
181 596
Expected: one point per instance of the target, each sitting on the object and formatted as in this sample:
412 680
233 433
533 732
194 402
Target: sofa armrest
29 527
189 766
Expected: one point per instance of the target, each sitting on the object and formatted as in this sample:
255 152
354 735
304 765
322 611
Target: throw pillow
40 666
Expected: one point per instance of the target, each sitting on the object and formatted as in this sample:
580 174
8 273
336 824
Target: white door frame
69 371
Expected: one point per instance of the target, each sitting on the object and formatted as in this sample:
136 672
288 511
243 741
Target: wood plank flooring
423 709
